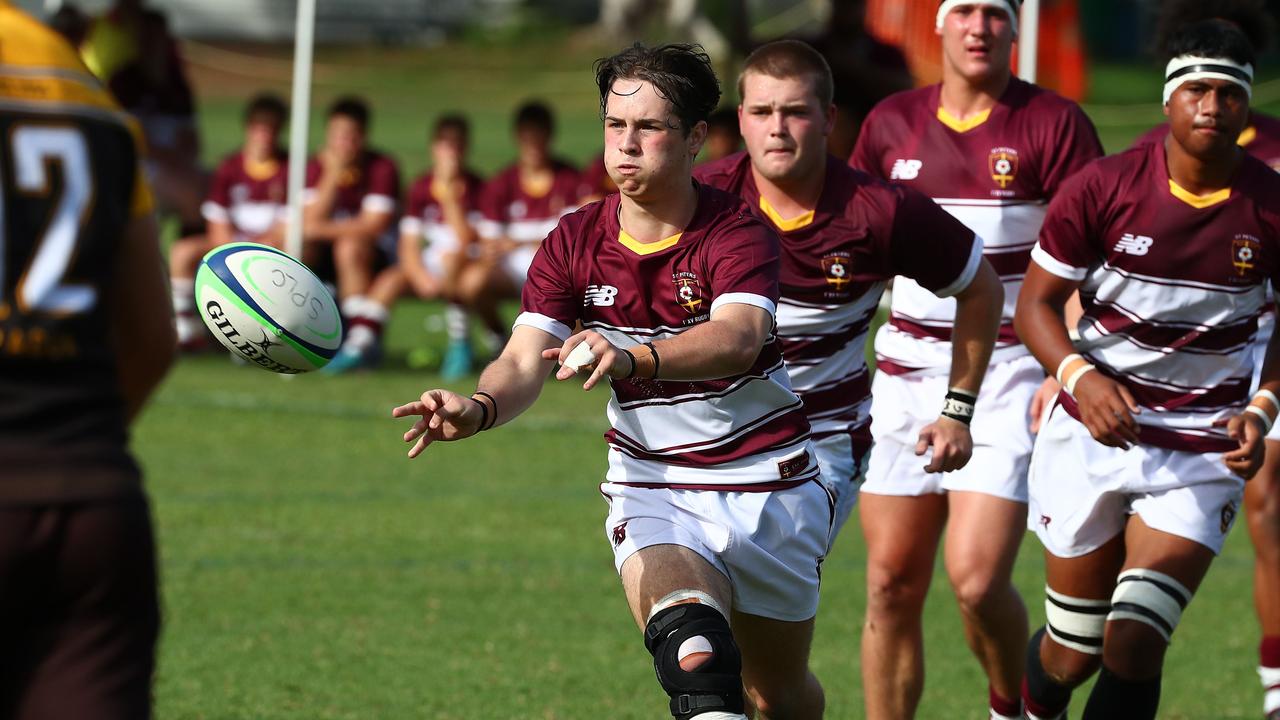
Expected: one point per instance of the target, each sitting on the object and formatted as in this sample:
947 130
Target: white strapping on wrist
1062 366
1271 398
1070 384
1267 420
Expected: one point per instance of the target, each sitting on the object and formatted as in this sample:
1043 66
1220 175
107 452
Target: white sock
184 300
353 306
1271 685
456 323
360 338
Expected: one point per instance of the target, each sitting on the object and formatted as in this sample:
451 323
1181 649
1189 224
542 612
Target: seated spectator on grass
246 203
438 236
349 230
520 206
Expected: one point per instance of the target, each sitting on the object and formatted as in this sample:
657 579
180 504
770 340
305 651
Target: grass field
311 571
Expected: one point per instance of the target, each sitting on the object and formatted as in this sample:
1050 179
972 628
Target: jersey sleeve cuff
966 276
410 225
740 298
378 203
1052 264
544 323
213 212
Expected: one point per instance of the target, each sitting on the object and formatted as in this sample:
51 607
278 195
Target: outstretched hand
445 416
607 358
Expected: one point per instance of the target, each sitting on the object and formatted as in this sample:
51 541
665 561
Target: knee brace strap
714 686
1076 623
1149 597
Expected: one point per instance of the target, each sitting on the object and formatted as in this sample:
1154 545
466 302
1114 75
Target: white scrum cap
1009 6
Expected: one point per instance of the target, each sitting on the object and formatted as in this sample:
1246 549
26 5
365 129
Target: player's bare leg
481 286
1262 511
1053 670
984 533
353 259
902 536
184 260
657 580
775 667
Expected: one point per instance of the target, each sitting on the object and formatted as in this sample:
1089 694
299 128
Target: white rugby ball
268 308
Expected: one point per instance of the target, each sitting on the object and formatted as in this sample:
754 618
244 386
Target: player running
1137 473
990 149
1261 138
717 515
443 210
245 204
85 337
844 236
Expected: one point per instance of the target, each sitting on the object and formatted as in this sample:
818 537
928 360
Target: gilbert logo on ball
268 308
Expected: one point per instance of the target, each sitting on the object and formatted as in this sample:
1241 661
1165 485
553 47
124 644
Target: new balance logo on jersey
905 169
1133 244
600 295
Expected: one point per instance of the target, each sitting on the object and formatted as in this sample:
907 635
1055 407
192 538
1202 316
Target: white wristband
1062 366
1267 420
1070 384
1271 398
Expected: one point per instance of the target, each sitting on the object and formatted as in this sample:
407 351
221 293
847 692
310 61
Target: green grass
311 571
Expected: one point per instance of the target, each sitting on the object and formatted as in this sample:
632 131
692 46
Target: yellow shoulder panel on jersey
40 71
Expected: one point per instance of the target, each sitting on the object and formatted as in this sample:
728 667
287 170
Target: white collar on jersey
1185 68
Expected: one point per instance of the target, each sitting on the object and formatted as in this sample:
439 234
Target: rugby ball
268 308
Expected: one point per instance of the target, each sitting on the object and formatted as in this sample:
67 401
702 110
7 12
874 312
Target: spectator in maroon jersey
349 228
246 203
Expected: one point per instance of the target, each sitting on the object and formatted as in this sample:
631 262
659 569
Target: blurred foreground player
844 236
246 203
991 150
717 514
85 337
1138 473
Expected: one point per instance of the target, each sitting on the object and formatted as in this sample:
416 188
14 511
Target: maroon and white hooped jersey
836 261
509 209
996 173
727 433
1172 287
424 218
250 199
373 185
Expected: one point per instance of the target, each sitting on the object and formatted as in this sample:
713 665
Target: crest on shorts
1003 164
1228 516
619 533
837 270
688 291
1245 250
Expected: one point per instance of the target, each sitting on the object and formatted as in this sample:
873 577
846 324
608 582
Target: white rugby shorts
842 472
516 263
1082 492
770 545
1266 325
901 405
434 254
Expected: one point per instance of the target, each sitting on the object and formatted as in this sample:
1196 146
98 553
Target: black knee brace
717 685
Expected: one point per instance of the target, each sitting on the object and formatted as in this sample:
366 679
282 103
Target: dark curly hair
1214 39
1250 16
681 73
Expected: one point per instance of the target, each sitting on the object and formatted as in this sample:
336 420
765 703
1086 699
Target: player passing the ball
1138 472
717 516
86 334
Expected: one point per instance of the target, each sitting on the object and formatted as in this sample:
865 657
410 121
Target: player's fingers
922 444
1131 404
417 429
419 446
413 408
594 378
551 354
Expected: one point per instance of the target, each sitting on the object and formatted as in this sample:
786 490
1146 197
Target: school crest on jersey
1245 251
688 291
837 270
1003 164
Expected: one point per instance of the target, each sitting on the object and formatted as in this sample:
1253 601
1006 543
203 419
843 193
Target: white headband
1009 7
1186 68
